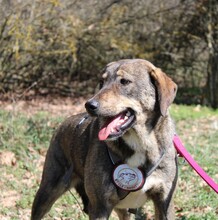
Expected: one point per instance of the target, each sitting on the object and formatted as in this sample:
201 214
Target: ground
26 128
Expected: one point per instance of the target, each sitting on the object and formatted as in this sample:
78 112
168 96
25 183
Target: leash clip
82 120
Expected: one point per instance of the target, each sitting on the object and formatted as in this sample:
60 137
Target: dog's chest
133 200
138 198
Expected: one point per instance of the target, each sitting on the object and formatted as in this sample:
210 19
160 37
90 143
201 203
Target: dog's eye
125 81
101 83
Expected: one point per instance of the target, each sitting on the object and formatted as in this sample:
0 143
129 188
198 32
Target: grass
198 128
26 138
188 112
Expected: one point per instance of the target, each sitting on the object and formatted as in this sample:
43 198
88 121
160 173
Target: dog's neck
121 149
131 149
144 142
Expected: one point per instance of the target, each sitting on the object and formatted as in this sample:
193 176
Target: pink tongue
106 129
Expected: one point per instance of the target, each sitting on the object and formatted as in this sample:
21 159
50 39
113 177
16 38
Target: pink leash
184 153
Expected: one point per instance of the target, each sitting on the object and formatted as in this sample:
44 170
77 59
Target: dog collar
130 178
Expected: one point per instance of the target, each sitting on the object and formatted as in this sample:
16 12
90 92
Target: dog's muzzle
114 125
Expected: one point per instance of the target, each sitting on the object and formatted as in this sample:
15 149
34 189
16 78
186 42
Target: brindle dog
128 119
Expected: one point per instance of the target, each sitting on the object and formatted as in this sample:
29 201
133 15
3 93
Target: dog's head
130 90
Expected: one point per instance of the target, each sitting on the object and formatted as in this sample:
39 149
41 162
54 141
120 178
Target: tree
212 41
60 46
201 40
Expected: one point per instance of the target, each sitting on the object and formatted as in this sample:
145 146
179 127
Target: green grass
198 128
188 112
28 138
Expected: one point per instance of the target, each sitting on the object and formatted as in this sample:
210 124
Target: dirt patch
57 106
9 198
7 158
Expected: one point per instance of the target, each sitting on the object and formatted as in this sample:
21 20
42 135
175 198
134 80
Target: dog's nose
92 106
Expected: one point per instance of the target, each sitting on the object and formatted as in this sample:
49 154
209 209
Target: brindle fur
76 158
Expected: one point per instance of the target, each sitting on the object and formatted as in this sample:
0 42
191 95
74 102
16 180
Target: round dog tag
128 178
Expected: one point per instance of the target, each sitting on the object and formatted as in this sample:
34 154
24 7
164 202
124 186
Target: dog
128 123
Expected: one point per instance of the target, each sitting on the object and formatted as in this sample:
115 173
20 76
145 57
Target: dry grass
26 128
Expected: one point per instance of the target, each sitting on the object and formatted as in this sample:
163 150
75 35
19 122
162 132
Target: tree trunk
212 68
212 80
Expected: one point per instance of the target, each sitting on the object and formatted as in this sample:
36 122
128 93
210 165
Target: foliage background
60 46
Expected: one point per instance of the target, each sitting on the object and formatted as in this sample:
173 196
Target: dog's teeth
120 122
126 117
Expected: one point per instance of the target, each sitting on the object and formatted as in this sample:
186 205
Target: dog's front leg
123 214
163 202
99 212
100 197
164 211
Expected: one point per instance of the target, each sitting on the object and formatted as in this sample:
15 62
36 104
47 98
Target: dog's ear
166 89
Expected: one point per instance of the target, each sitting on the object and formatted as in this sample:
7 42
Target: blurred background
60 46
52 53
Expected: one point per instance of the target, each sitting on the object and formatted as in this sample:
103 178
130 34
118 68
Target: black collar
115 160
